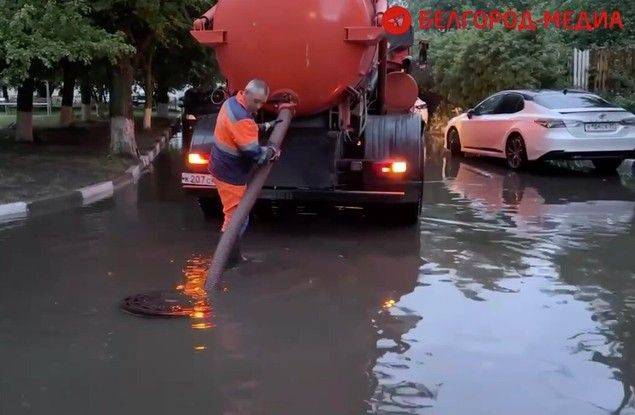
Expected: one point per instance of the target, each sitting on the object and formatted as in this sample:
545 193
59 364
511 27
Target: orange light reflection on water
195 272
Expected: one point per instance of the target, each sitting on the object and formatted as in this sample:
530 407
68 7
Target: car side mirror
471 113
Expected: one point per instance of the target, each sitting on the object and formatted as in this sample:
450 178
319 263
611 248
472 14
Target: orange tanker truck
356 138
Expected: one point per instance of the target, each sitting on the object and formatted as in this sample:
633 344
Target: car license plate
194 179
600 127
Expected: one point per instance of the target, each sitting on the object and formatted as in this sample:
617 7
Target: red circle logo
397 20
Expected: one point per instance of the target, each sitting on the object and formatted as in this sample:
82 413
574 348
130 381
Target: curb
14 210
86 195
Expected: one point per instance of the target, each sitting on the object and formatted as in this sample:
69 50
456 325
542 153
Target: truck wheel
211 207
606 165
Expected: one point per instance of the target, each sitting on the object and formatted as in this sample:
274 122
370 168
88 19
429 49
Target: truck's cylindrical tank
299 45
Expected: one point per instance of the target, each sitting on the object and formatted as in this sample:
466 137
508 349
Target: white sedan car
523 126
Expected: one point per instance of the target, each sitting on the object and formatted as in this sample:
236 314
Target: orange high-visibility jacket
235 148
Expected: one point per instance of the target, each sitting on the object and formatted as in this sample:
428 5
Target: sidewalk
70 167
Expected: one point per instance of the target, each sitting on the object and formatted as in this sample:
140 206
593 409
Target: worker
236 150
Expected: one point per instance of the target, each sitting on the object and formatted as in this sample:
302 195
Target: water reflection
515 296
304 324
527 279
201 311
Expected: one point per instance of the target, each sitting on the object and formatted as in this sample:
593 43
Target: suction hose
254 187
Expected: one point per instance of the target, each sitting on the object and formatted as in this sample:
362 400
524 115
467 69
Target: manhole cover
159 304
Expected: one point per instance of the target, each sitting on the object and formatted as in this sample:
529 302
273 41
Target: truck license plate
194 179
600 127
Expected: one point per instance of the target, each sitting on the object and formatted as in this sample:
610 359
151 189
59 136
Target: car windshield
558 100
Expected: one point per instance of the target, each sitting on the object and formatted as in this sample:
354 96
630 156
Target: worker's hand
268 125
276 153
269 155
200 23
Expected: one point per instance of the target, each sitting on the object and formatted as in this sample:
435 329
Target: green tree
147 25
471 64
185 62
600 37
40 35
467 65
169 39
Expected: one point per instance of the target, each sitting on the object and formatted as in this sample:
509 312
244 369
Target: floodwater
515 294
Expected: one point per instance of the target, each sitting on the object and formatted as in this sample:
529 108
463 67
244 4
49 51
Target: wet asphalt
515 294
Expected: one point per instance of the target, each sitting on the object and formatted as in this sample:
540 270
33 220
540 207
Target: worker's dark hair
257 85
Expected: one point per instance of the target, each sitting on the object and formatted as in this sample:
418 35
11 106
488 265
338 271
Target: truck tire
397 136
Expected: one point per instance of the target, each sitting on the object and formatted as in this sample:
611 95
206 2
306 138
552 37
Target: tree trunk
163 102
40 88
85 92
24 116
122 134
68 94
149 90
5 93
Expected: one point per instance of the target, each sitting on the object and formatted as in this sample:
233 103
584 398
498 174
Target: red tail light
550 123
197 158
391 167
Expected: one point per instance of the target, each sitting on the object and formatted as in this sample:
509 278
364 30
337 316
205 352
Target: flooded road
515 294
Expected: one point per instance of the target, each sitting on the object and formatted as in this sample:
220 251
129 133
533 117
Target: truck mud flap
307 160
396 136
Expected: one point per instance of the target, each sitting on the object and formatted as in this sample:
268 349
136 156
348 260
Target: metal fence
580 72
602 69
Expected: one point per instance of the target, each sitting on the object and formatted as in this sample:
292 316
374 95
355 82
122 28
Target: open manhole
159 304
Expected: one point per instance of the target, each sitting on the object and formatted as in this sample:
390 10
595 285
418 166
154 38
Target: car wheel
454 142
606 165
515 152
